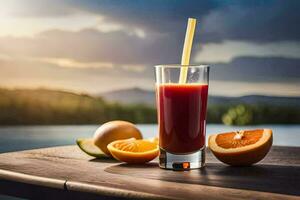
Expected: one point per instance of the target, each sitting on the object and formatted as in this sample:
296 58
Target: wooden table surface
67 173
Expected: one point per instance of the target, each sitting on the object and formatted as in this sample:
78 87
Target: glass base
181 162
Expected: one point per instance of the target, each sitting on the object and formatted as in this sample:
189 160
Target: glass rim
177 66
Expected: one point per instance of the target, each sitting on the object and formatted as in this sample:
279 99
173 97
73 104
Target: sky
93 46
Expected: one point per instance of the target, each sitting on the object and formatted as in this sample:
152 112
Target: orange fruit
154 139
241 148
115 130
133 151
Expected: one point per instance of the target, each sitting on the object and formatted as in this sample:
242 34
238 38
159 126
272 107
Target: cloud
157 16
134 68
33 74
86 44
228 50
255 21
91 45
64 62
258 70
38 8
90 48
29 27
258 21
141 16
69 63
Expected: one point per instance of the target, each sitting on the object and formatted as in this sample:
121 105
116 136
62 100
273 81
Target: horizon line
98 94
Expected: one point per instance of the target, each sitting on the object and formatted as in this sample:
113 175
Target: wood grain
75 174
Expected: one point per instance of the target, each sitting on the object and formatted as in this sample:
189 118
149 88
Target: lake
13 138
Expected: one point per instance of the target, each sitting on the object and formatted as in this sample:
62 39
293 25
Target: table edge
73 186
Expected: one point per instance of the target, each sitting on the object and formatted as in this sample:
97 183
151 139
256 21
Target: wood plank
266 178
67 168
35 180
30 191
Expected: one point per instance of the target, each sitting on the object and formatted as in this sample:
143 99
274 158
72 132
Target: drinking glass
181 111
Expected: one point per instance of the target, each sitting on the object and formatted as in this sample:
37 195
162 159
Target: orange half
241 148
154 139
133 151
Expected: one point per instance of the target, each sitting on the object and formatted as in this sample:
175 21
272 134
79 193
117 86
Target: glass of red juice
181 111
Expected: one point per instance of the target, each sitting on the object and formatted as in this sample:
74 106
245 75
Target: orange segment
133 150
154 139
241 148
227 140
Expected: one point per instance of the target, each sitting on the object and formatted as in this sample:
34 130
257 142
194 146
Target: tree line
44 107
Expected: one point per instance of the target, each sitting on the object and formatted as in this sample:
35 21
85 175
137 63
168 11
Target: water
14 138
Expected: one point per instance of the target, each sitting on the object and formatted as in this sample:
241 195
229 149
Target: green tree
238 115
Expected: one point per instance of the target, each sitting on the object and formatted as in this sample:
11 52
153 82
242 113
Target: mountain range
141 96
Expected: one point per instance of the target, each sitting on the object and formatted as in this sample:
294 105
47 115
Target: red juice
181 116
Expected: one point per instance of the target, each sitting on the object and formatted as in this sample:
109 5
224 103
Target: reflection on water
14 138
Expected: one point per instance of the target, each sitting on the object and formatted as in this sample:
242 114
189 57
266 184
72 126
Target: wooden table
67 173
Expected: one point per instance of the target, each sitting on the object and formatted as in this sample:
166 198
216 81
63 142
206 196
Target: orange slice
154 139
241 148
133 151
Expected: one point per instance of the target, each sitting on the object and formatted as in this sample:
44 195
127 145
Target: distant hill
137 95
130 96
43 106
256 99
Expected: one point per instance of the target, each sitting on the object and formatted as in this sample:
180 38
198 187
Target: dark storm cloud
90 45
164 24
265 22
161 16
254 69
257 20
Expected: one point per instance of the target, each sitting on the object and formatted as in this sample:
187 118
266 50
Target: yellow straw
188 43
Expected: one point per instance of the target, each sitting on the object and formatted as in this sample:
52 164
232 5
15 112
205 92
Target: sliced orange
133 151
154 139
241 148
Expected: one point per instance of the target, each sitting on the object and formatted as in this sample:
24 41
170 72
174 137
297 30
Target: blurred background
68 66
87 62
